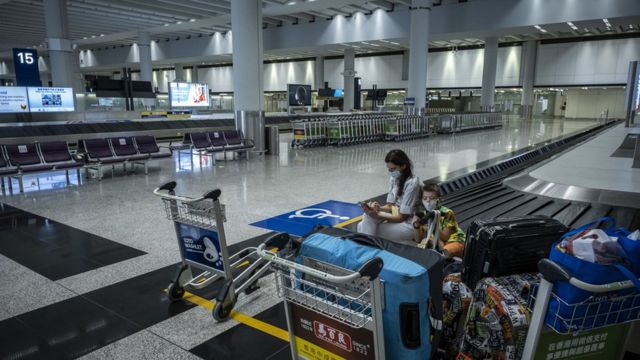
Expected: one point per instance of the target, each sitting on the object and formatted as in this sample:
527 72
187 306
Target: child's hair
431 187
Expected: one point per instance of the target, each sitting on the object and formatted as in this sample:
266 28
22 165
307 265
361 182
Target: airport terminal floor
84 268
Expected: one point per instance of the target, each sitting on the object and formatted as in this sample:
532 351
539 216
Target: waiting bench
18 160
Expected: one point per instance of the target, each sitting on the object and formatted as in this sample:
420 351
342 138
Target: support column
248 82
418 49
63 60
487 101
349 74
319 72
194 74
529 56
179 73
144 51
405 65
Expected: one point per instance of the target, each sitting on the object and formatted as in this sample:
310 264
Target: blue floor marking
301 221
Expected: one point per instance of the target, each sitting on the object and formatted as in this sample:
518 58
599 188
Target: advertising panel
13 99
51 99
182 94
299 95
318 337
200 246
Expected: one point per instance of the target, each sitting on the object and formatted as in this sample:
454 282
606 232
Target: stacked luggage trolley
360 129
367 128
448 124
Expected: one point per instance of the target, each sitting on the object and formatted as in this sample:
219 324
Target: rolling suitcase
498 318
412 285
506 246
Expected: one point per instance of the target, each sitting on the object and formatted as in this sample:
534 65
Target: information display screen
299 95
183 94
338 93
51 99
13 99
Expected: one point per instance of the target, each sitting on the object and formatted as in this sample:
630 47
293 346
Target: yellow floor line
349 222
240 317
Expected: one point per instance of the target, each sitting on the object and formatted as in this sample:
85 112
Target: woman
452 237
392 220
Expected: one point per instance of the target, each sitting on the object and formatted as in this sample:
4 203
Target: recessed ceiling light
540 28
179 22
166 25
101 34
606 22
572 26
192 20
291 3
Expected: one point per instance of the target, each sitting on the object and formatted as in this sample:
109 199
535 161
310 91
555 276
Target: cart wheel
221 312
174 292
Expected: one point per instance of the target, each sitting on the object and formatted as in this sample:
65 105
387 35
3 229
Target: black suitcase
507 246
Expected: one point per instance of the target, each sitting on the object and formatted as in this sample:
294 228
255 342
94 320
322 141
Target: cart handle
166 191
370 269
553 272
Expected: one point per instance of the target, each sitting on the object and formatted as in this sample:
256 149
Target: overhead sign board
25 62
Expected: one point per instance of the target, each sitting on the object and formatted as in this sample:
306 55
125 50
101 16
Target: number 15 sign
25 62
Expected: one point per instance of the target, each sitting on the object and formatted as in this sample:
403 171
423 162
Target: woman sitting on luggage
451 235
392 220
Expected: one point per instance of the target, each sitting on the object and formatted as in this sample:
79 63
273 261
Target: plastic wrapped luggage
498 318
507 246
412 281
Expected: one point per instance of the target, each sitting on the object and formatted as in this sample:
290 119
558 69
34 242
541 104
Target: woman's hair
431 187
399 158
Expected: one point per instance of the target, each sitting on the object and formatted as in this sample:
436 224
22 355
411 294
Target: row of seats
18 160
119 150
215 142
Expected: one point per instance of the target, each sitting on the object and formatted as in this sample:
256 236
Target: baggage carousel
551 180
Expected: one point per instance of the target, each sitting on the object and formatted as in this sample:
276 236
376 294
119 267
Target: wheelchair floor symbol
314 213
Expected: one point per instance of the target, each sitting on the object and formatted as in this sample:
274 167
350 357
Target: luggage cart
199 225
598 327
331 312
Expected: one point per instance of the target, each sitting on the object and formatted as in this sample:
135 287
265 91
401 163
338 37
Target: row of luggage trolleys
360 129
334 312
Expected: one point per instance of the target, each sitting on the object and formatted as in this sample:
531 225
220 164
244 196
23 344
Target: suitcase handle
365 240
527 224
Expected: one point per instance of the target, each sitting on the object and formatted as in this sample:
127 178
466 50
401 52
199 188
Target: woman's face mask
394 174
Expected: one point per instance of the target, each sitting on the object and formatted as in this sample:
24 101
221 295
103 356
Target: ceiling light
572 26
606 22
192 20
291 3
540 28
166 25
101 34
179 22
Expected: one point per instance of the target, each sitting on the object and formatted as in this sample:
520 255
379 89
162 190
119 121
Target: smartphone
364 205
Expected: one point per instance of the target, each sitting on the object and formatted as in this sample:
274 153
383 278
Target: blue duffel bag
411 287
573 309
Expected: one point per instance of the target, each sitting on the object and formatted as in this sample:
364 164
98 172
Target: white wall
585 63
220 79
445 69
590 103
278 75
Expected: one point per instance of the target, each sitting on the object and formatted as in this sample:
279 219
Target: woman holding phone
392 220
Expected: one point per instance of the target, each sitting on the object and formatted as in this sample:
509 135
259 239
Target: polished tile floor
123 210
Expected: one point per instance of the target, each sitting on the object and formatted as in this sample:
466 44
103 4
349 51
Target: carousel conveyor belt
481 194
